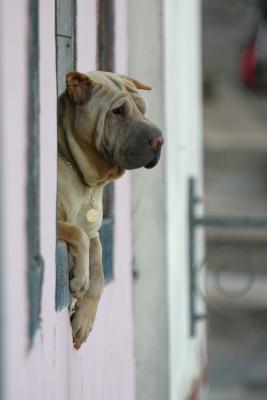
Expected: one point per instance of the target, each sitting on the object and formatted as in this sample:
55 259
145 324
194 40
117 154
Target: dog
102 131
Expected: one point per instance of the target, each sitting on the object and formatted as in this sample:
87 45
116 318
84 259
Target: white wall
149 210
165 53
52 369
183 158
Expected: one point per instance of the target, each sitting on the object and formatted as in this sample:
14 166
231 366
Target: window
66 61
65 40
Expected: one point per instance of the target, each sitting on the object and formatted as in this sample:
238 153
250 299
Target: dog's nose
156 144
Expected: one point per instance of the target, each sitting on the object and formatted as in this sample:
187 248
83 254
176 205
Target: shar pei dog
102 130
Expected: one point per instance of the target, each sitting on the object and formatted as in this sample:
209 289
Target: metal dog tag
92 215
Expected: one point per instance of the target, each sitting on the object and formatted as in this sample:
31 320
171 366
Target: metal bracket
192 200
207 222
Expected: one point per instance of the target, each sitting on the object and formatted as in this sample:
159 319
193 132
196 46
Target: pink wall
104 368
13 87
86 35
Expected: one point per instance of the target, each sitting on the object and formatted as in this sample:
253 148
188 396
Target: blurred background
235 144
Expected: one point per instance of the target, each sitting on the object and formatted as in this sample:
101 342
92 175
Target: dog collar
92 213
69 164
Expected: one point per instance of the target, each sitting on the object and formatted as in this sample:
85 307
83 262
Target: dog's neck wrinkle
88 172
66 155
78 153
63 148
70 149
94 169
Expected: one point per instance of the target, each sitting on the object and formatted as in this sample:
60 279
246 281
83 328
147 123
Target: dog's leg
82 319
79 245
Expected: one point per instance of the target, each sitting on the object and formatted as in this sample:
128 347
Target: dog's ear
137 84
78 87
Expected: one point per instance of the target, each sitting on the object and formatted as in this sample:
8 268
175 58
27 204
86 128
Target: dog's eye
118 111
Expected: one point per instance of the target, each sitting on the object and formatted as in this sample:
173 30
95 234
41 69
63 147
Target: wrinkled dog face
120 130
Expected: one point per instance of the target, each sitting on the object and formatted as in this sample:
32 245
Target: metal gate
196 222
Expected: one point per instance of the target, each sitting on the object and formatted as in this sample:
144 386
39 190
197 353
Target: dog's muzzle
155 146
138 146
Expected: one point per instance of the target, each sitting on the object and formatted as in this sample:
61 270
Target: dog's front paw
79 283
82 324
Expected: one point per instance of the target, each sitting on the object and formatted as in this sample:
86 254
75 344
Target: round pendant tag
92 215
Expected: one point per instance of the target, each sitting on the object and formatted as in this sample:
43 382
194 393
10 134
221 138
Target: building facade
165 51
140 346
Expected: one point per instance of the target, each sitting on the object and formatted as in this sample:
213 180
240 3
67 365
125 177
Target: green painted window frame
66 61
65 36
106 62
35 261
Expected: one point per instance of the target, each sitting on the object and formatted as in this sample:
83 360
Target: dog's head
109 114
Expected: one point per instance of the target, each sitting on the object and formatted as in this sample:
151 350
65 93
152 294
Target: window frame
106 62
35 261
66 57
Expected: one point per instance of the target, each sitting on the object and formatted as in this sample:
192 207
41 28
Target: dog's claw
81 324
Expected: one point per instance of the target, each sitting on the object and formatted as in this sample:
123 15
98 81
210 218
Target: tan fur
80 140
